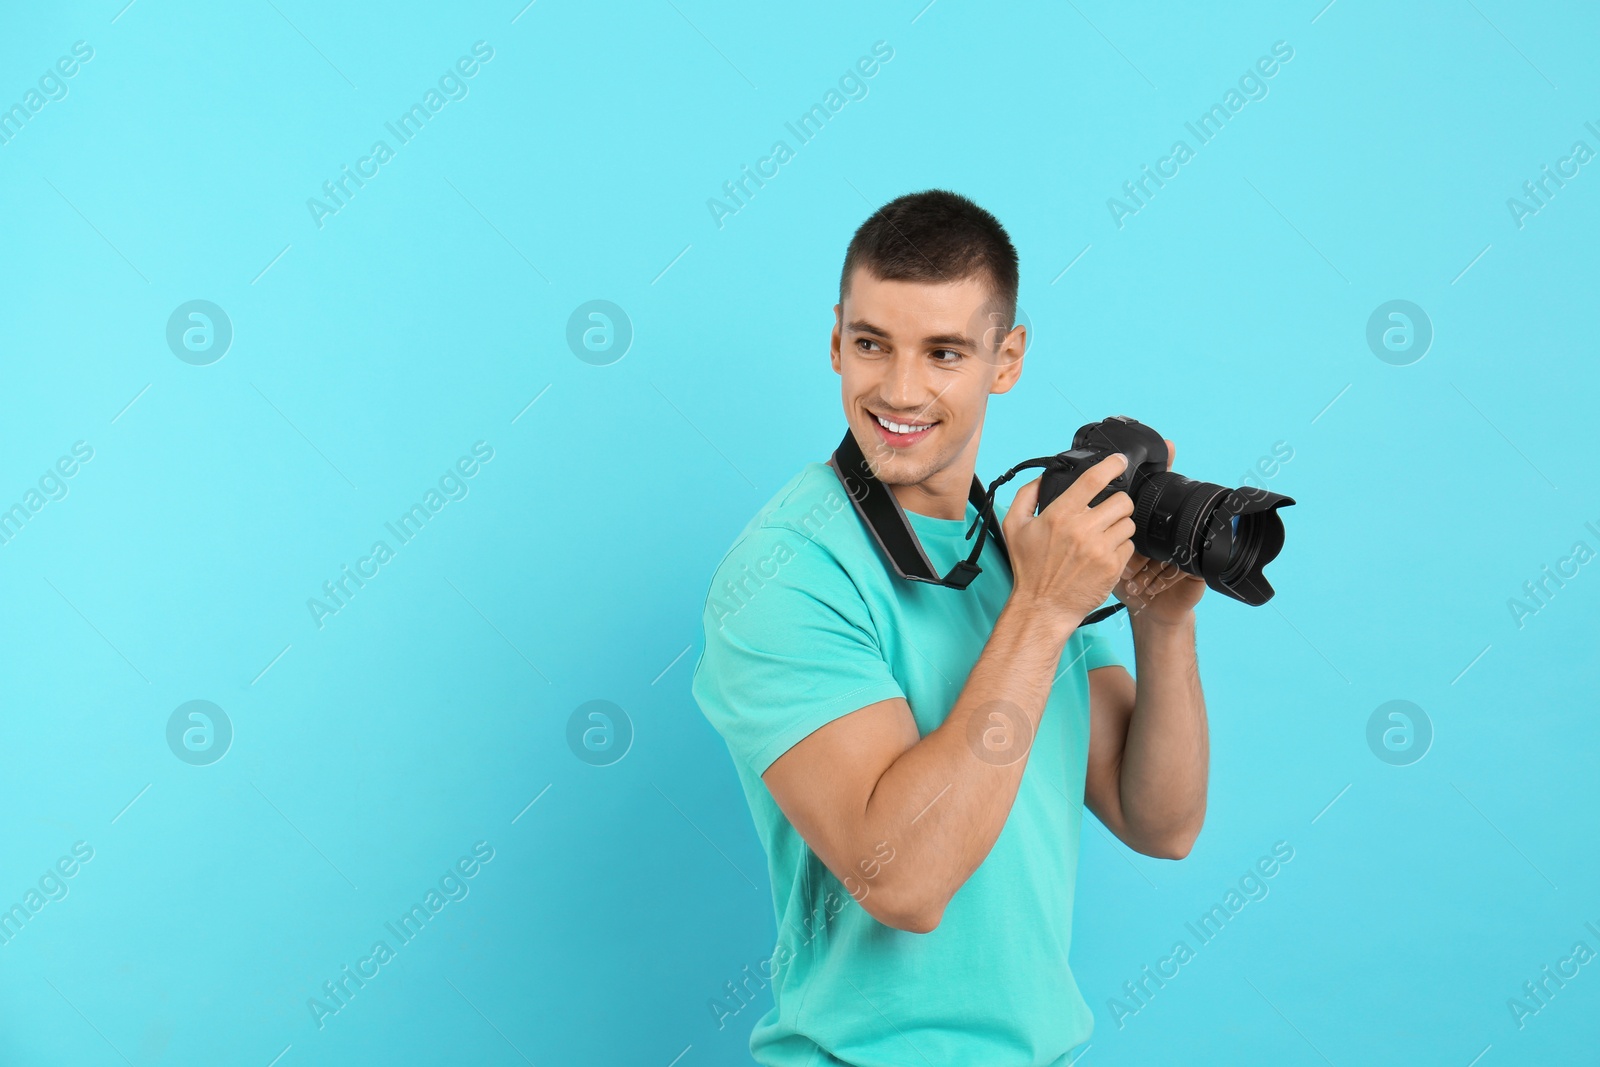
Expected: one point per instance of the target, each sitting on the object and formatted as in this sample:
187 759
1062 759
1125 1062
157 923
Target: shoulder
791 638
810 516
808 506
807 539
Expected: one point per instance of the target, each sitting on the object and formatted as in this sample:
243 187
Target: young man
917 757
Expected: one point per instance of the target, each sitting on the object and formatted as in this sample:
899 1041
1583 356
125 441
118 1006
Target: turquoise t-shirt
805 623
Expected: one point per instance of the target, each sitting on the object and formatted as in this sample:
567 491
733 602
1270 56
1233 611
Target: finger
1091 481
1172 453
1162 569
1125 551
1022 506
1152 584
1138 583
1166 579
1158 576
1112 508
1135 596
1122 530
1171 570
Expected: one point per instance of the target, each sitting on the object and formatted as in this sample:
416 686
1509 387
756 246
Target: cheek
964 398
862 379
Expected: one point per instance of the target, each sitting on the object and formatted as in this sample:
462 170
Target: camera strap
886 520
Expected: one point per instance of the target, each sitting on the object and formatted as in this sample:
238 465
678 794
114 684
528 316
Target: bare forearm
1166 757
944 801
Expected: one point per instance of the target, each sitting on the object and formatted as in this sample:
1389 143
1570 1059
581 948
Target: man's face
924 357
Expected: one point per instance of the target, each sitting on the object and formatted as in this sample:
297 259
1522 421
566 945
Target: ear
838 323
1009 359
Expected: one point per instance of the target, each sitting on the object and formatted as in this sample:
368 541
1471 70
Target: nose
904 388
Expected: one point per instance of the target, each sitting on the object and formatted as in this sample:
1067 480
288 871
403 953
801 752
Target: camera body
1225 536
1145 448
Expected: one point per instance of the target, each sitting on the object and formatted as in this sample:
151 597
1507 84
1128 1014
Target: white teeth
900 427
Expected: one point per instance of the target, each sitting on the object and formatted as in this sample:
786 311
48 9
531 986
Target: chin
900 469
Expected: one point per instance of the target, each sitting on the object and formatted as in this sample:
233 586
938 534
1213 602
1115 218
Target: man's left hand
1159 592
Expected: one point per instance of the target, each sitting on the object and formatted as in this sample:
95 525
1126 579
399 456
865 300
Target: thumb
1022 506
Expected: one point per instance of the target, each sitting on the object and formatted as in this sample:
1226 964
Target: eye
862 342
946 355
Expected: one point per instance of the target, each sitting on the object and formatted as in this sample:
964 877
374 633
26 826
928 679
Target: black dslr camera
1225 536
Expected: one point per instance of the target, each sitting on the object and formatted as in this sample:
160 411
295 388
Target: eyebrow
955 339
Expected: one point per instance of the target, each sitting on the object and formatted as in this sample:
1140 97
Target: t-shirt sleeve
789 647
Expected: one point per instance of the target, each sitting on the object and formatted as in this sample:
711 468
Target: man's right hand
1067 558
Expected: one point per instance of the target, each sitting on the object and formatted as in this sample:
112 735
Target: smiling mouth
899 434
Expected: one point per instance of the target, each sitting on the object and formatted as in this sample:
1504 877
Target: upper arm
1111 699
824 783
795 680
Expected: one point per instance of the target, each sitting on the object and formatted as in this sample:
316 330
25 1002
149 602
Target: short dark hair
935 236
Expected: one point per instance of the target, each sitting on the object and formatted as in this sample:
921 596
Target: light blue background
369 354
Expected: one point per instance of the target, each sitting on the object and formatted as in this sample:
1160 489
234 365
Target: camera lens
1171 516
1225 536
1236 543
1247 539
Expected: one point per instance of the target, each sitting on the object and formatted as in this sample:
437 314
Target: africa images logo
453 887
452 85
1252 85
453 485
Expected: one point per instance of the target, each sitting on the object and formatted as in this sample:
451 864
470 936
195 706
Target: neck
942 496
